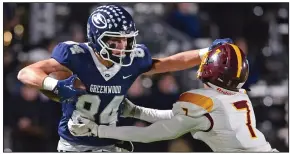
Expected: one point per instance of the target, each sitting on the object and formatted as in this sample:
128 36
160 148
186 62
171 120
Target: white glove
81 126
128 108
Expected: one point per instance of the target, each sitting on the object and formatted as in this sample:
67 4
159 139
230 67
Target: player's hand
128 108
82 126
66 91
218 42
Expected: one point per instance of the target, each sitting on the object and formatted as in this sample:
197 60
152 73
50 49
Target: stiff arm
180 61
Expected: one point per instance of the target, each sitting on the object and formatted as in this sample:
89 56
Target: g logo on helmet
99 21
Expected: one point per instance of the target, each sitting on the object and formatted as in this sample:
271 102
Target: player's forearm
160 130
36 75
177 62
128 133
137 134
152 115
32 77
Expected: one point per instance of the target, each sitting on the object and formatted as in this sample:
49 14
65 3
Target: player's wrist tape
202 52
49 83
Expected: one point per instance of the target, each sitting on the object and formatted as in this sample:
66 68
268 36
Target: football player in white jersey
221 114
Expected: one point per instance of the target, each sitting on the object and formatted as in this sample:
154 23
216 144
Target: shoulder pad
143 58
64 52
141 51
193 104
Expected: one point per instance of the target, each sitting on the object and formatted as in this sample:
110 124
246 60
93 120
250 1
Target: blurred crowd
31 30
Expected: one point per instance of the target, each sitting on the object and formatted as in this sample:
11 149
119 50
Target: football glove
81 126
127 108
66 91
218 42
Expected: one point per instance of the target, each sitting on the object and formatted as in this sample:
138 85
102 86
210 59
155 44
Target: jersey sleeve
152 115
62 54
193 105
143 53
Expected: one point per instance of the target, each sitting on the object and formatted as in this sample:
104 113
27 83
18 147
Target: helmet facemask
126 56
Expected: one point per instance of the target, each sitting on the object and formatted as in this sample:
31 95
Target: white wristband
49 83
202 52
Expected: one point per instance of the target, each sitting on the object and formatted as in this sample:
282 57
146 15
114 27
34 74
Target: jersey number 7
243 105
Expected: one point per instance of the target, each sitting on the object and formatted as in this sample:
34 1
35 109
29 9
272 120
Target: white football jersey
223 119
231 115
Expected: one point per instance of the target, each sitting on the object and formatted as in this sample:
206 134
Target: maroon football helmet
225 66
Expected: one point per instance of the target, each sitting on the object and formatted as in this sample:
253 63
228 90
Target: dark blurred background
31 30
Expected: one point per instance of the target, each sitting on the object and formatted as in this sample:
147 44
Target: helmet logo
125 27
99 21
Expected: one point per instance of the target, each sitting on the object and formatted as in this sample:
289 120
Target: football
61 75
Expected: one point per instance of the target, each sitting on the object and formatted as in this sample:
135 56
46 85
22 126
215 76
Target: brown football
61 75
